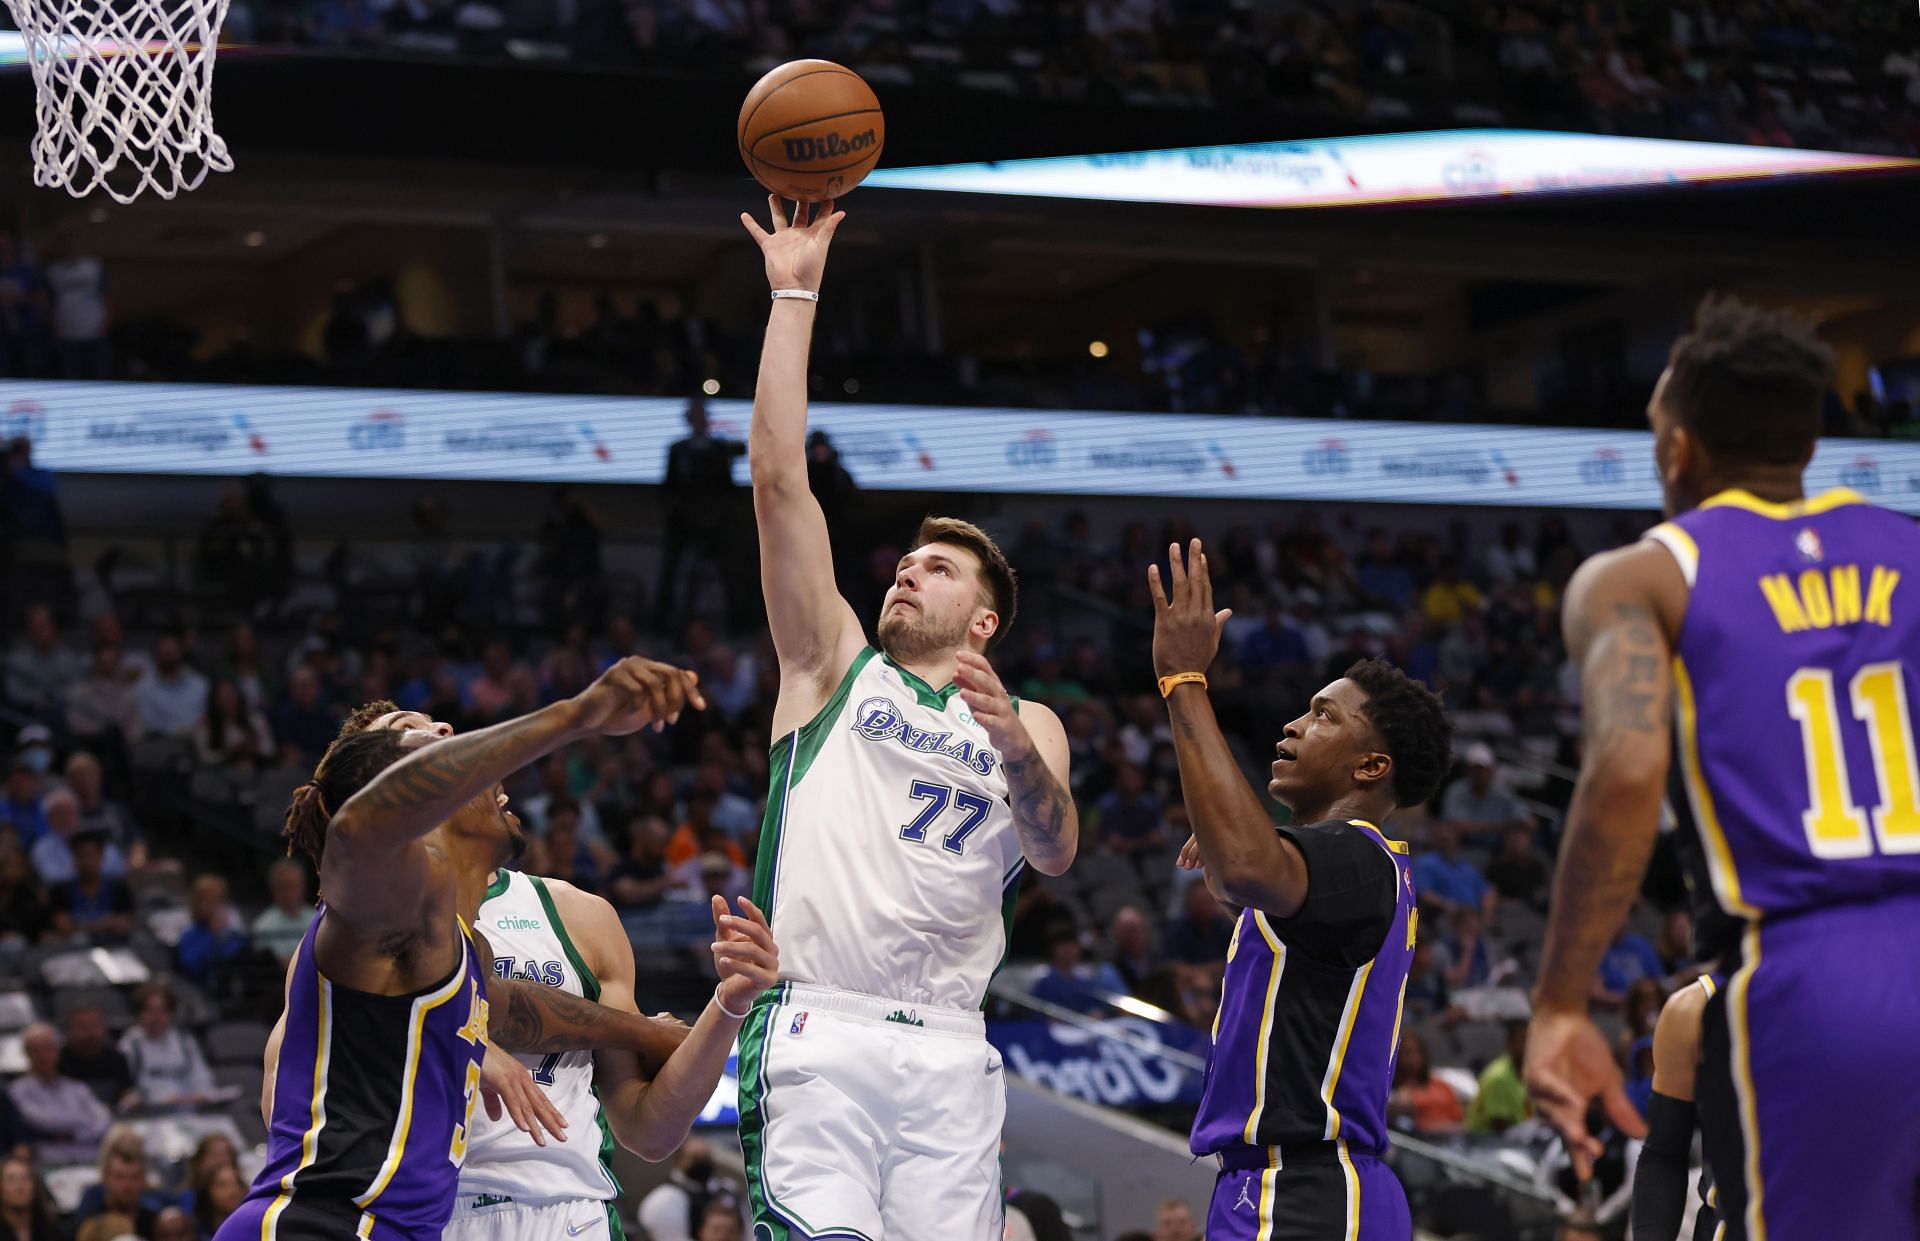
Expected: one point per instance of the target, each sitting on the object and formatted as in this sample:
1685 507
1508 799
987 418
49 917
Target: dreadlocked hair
1413 727
349 765
363 717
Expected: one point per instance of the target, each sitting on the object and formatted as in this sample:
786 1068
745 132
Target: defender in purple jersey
1768 642
387 1019
1295 1107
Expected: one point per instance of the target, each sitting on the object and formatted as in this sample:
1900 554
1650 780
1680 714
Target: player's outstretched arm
375 865
1033 752
1619 610
1247 862
652 1118
815 633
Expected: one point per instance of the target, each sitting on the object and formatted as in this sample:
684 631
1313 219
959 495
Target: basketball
811 130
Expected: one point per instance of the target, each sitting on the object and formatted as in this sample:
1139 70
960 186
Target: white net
125 93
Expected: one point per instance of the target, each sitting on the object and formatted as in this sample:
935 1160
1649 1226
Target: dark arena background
1370 295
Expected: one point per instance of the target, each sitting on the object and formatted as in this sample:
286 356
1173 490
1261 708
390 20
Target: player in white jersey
908 791
514 1187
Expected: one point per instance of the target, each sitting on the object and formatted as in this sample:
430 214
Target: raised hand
744 954
634 693
796 249
1186 629
506 1085
992 706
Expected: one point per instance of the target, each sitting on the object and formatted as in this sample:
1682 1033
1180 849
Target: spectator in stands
169 1069
567 856
98 812
1380 575
172 697
281 926
215 936
1676 948
1425 1101
1050 682
1070 982
26 1208
53 856
1501 1102
1641 1009
65 1119
1519 873
212 1151
122 1187
111 1226
1629 958
93 907
1203 935
105 704
305 724
699 493
174 1224
218 1197
670 1211
1427 992
21 809
1477 806
721 1222
1464 949
24 916
1132 941
732 813
91 1059
698 836
1444 879
1510 560
1450 596
1174 1222
1276 646
39 668
1128 815
78 285
640 880
232 736
556 785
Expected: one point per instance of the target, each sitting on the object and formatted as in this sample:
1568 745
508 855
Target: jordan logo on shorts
1246 1199
799 1025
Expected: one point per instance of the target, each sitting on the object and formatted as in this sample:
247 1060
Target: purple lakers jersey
372 1101
1795 682
1309 1020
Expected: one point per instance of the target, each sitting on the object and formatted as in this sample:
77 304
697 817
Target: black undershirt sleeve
1351 894
1660 1178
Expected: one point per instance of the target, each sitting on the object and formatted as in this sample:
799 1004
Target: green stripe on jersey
788 760
589 985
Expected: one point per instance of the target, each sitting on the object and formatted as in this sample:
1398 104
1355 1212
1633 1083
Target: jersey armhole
589 985
1680 544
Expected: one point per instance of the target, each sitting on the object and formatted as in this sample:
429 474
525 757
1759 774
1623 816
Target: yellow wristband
1182 678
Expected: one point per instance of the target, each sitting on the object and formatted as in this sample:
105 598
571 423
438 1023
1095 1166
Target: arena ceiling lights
1445 165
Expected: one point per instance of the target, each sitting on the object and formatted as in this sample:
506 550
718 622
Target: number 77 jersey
888 857
1795 684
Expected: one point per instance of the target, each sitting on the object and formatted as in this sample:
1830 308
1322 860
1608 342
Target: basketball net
125 93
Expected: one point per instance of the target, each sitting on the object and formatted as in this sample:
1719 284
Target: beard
913 634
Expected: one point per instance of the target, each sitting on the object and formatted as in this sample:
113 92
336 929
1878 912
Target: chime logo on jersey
878 719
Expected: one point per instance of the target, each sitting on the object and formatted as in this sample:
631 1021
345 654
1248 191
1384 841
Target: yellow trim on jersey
397 1148
1707 985
365 1230
317 1110
1278 968
1353 1191
1269 1187
1399 1010
1737 989
1680 544
1737 497
1397 846
1720 865
1338 1060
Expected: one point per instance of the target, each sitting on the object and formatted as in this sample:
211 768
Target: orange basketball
811 130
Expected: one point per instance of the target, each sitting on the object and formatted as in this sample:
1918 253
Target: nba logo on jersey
799 1025
1807 543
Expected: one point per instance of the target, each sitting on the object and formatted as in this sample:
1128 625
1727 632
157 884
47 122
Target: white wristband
722 1006
804 294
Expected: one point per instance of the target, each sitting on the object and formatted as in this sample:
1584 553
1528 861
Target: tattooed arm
1033 752
1620 612
535 1018
1616 637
